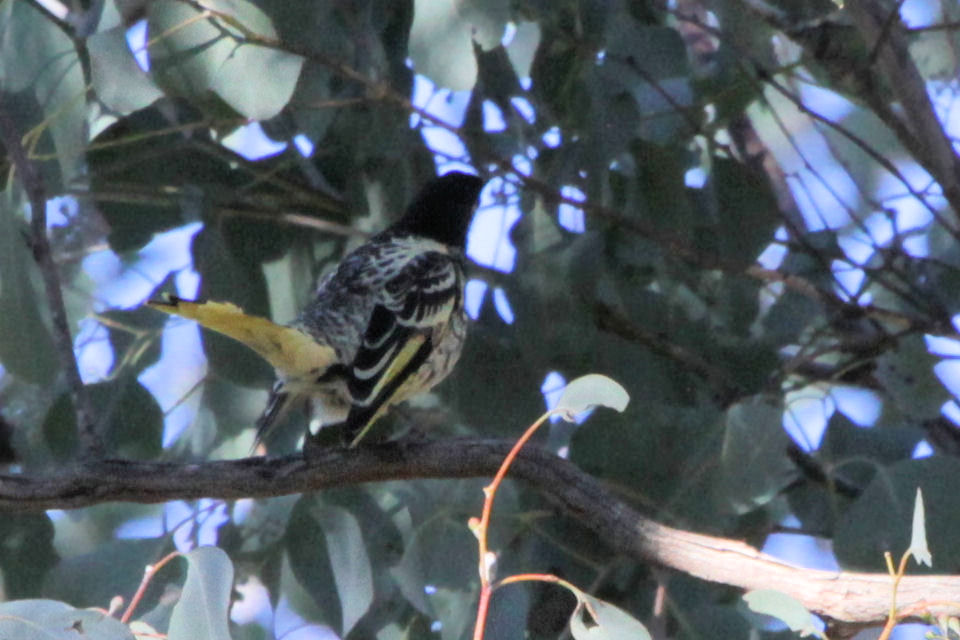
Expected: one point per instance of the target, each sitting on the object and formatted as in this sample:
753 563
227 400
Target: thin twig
148 573
893 17
32 181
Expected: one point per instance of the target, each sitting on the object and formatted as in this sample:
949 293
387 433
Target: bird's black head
443 209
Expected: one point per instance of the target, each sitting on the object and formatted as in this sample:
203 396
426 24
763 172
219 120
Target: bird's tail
292 352
278 406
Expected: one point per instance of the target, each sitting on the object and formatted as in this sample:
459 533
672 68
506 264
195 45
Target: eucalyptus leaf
443 33
753 463
610 623
591 390
352 572
204 606
784 608
918 533
880 518
117 79
54 620
26 345
194 52
38 56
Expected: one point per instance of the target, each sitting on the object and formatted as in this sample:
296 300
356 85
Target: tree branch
924 134
32 183
853 598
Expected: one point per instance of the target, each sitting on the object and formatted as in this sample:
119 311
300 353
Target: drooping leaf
310 564
642 62
785 608
192 54
906 372
753 463
54 620
745 213
113 567
880 518
435 556
918 533
27 553
610 623
38 56
117 79
131 419
591 390
442 36
26 346
204 606
352 572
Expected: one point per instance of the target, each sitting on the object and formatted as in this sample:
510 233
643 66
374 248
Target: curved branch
855 598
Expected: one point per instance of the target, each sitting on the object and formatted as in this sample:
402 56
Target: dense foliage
742 212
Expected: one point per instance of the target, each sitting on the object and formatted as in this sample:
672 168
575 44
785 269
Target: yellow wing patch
398 363
292 352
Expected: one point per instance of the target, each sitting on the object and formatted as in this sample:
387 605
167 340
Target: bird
386 324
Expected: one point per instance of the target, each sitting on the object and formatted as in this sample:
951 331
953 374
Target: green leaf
906 373
646 63
789 316
745 208
665 451
918 533
117 79
310 563
437 555
277 73
443 35
38 55
131 419
352 572
456 611
753 462
880 519
112 567
864 450
143 631
783 607
300 601
204 606
184 177
523 47
26 346
191 55
591 390
53 620
611 623
27 552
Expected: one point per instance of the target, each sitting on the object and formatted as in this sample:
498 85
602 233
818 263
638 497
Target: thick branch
32 183
847 597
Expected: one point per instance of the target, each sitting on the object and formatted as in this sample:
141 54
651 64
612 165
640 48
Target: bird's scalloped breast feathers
293 353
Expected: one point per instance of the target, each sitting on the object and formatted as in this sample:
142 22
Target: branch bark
852 598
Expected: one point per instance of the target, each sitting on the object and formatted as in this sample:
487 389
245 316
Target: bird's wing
413 302
293 353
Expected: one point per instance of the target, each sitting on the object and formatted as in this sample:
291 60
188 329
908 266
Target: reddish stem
480 528
148 574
